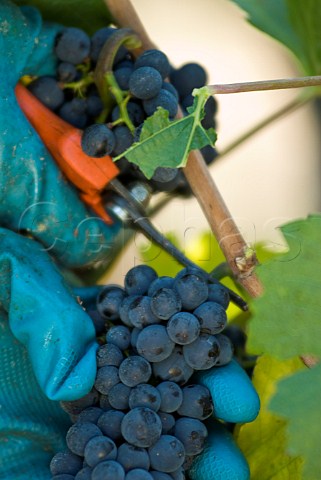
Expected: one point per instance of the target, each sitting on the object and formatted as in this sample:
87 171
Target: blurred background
271 178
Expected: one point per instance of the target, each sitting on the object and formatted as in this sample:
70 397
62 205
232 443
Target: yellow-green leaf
298 400
263 441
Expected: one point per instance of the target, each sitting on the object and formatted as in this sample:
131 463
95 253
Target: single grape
192 289
167 454
203 353
183 328
138 279
179 474
98 40
188 77
165 303
90 414
212 317
131 457
141 427
144 395
160 282
135 112
163 99
237 337
164 175
74 112
109 300
138 474
98 140
156 59
168 422
126 307
174 368
123 139
168 86
154 344
84 474
94 105
226 350
99 449
47 90
145 83
118 396
134 370
219 294
122 76
133 337
171 396
104 403
160 475
140 313
79 434
109 354
197 402
210 109
109 423
73 45
119 335
108 470
192 433
106 378
67 72
209 154
65 462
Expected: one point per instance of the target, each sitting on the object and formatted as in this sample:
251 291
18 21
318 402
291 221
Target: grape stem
233 245
259 86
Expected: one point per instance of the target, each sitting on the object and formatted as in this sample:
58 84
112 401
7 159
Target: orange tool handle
91 175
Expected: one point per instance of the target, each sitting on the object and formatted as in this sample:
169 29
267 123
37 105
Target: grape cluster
144 418
144 84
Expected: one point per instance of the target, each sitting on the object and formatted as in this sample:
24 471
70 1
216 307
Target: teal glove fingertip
234 397
221 459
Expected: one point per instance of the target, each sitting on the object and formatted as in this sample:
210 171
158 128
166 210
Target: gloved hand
47 341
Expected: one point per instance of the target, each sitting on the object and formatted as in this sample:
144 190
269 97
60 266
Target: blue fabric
47 342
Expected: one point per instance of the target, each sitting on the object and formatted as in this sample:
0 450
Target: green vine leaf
165 143
286 318
89 15
297 27
298 400
263 441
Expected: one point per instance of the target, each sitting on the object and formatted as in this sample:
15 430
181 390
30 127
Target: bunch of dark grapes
72 94
144 418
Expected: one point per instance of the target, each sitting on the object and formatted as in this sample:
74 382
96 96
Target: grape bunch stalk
113 121
145 418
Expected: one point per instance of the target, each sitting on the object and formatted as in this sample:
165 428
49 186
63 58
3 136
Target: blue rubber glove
48 344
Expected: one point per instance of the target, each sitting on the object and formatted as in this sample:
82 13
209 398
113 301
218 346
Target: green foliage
294 23
264 441
286 320
298 400
165 143
89 15
285 324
